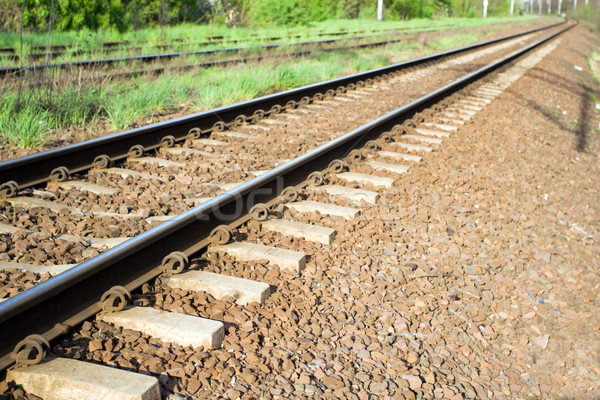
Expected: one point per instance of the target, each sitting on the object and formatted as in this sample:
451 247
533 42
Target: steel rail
35 169
66 300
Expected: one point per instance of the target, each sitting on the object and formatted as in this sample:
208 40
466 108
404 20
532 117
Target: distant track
19 71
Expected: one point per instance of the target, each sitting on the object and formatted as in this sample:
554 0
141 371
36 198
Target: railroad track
17 71
51 52
54 51
225 62
330 179
246 55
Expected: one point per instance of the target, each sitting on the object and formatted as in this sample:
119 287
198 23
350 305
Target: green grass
594 64
25 128
38 115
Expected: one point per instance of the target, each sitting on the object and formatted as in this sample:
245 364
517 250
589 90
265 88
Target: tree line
123 15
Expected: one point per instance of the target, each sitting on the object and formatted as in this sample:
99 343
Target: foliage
588 13
124 15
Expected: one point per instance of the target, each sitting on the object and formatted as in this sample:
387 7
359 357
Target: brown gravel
476 276
13 281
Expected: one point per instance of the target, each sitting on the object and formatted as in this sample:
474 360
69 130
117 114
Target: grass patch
25 128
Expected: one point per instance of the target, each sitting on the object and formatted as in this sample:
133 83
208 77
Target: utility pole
485 4
379 10
512 7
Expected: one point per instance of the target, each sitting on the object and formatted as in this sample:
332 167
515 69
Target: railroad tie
30 202
354 195
343 98
383 166
219 286
171 327
290 116
366 179
433 132
424 139
273 121
87 187
400 156
478 100
66 378
126 173
324 208
312 233
443 127
456 115
467 106
38 269
258 127
286 259
260 172
225 187
187 151
209 142
413 147
155 160
462 110
233 134
448 120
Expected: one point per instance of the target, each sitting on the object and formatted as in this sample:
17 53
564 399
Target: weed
120 115
25 128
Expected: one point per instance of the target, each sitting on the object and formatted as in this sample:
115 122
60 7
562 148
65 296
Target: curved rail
36 168
53 307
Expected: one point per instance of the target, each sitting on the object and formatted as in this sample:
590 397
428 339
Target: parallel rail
53 307
38 168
